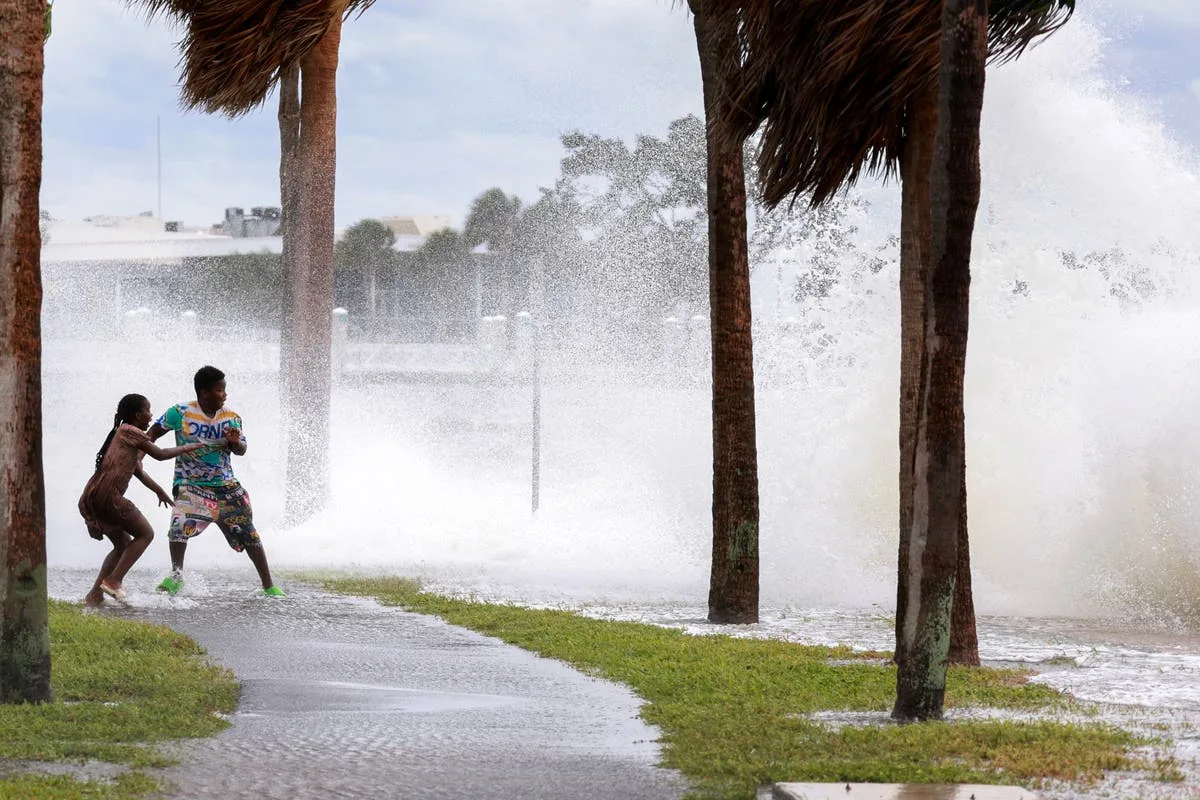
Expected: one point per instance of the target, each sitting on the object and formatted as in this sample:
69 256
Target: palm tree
733 583
234 54
847 88
365 248
441 268
24 632
493 221
939 462
1013 25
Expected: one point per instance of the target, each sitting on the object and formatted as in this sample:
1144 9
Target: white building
97 269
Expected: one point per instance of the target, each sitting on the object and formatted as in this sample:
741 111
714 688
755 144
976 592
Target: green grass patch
734 712
120 687
129 786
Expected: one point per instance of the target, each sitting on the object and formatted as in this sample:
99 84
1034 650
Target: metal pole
536 347
537 416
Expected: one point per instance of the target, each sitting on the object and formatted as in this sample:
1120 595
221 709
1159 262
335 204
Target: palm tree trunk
289 140
940 450
733 586
24 633
307 327
289 200
964 639
916 164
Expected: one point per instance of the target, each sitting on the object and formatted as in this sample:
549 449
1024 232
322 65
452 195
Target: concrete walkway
343 698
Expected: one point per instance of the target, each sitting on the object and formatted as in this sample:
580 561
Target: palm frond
233 51
830 81
1014 25
176 10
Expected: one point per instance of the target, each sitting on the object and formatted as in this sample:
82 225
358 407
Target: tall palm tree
734 579
24 634
851 87
939 461
1013 25
234 54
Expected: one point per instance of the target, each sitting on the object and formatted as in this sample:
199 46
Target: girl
103 505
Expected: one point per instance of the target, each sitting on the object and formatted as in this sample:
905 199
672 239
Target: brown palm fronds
829 81
233 51
1014 25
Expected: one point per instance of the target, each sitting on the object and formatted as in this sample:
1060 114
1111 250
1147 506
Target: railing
354 358
678 350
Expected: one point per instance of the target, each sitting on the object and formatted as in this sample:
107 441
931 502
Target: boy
205 488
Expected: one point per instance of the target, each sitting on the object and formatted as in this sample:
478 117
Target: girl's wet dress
104 507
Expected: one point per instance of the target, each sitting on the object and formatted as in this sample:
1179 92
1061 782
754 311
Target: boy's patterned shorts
198 506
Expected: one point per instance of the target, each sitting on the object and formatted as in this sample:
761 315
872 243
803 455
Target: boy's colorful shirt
205 467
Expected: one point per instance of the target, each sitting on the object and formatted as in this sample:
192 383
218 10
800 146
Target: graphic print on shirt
208 467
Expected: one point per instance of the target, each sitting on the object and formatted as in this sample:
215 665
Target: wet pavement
343 698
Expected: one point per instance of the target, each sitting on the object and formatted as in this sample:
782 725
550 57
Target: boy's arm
156 432
233 437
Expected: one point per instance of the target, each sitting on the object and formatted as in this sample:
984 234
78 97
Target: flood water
1143 680
432 482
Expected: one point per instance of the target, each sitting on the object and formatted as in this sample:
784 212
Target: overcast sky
441 99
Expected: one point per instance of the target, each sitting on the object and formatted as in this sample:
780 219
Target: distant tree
821 239
643 209
550 231
366 248
493 221
441 250
244 288
442 271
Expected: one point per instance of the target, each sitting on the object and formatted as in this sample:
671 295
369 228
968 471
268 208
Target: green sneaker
273 591
172 583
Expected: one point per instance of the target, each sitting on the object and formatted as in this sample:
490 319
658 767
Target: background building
104 273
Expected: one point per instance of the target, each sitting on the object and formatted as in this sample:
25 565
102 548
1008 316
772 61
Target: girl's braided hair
129 406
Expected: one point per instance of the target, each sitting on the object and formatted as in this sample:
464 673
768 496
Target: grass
129 786
120 687
733 712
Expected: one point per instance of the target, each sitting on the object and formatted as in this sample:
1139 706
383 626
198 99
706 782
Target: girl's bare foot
94 599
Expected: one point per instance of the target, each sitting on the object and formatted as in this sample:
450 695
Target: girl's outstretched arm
163 453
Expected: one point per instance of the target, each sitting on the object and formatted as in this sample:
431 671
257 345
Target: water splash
1082 412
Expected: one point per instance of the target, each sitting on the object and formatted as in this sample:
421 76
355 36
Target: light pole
536 306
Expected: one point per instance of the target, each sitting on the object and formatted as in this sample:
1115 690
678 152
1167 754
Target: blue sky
440 99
